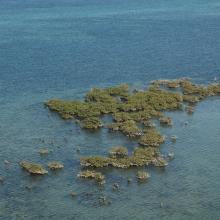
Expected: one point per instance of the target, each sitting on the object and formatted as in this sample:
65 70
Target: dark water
59 49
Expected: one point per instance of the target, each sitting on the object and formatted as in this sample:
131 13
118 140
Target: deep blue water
60 49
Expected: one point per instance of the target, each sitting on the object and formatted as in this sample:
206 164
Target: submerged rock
170 155
189 110
6 162
142 175
173 138
43 151
2 179
73 194
129 180
33 168
103 200
115 186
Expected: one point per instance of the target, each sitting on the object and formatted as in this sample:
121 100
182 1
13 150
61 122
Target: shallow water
60 49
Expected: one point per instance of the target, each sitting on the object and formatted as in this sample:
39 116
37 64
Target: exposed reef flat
55 165
33 168
88 174
132 113
140 157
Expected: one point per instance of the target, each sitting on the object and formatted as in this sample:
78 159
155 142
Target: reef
140 157
151 138
33 168
166 121
129 128
118 152
133 114
159 162
89 174
54 165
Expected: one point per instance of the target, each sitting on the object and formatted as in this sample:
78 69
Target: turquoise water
60 49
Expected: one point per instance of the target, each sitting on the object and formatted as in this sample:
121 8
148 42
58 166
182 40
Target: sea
60 49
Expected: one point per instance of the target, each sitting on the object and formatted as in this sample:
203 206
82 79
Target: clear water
59 49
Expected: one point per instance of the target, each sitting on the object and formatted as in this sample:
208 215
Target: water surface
60 49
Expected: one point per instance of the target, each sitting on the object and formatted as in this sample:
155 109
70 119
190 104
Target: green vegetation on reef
140 157
91 123
33 168
89 174
129 128
132 113
118 152
54 165
166 121
151 138
70 109
190 99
